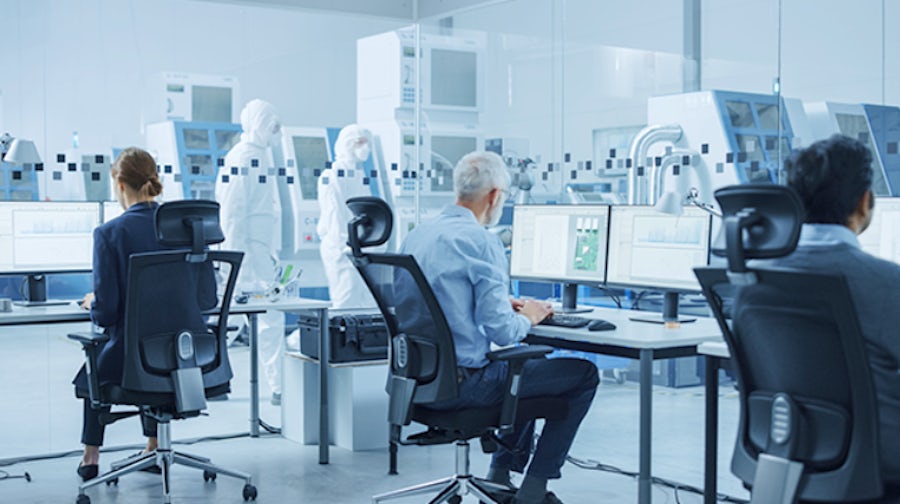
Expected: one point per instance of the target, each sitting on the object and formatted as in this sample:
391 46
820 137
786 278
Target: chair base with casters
165 457
452 489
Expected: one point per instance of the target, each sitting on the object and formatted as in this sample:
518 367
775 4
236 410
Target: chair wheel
456 499
83 499
209 476
114 481
249 492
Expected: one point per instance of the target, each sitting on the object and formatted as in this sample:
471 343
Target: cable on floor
676 486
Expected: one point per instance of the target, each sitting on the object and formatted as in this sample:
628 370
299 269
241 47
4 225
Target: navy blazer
114 242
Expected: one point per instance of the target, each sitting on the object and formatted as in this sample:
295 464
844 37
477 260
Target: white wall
81 66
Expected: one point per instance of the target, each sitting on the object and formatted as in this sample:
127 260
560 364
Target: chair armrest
522 352
91 343
91 338
516 356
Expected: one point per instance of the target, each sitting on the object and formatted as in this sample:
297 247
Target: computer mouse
601 325
241 298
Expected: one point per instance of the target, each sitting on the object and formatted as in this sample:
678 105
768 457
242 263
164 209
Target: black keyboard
560 320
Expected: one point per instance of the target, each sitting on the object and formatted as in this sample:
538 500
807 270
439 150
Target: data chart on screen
47 236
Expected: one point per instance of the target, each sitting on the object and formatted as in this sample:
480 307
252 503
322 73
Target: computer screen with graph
882 237
563 243
47 237
654 250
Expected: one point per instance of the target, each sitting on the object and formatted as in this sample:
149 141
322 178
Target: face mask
362 152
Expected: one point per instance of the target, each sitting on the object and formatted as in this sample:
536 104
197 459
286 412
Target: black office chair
423 367
175 354
808 425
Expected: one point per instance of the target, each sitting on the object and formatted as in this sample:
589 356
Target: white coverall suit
344 180
251 221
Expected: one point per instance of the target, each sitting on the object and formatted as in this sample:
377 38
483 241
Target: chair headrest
373 222
761 221
188 223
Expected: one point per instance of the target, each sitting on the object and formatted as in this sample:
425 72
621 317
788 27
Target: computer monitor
652 250
111 210
882 237
46 237
560 243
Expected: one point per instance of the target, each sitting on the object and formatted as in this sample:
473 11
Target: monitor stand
570 300
36 292
669 313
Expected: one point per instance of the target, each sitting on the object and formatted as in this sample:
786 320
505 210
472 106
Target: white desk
73 313
635 340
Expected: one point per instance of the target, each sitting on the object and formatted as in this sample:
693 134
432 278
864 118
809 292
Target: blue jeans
573 379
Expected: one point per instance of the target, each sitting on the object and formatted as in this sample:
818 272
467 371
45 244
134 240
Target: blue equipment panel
884 122
201 148
751 123
18 183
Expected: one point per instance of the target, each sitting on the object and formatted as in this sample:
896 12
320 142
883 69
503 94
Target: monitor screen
654 250
211 104
47 236
882 237
454 77
311 154
564 243
111 210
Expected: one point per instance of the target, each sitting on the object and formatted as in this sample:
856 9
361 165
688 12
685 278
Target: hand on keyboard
535 310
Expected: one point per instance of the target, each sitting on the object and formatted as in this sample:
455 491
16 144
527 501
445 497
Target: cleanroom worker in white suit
251 221
344 180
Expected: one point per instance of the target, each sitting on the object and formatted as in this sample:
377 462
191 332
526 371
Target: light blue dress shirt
467 270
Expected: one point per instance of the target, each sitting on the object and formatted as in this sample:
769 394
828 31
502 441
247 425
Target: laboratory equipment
37 238
876 126
707 139
174 96
190 156
652 250
19 165
74 176
560 243
448 69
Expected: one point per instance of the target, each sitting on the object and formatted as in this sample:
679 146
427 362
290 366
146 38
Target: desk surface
632 334
714 349
73 313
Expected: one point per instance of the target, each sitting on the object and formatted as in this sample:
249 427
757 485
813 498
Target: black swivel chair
808 425
423 366
174 357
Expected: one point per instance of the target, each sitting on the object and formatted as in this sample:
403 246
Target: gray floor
37 363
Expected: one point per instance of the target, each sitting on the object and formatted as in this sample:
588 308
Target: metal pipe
658 173
638 154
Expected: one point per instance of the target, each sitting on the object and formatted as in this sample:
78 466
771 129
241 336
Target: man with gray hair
467 269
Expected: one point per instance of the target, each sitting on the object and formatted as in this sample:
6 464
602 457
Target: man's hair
477 173
830 176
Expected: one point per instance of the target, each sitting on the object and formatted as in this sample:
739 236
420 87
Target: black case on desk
353 337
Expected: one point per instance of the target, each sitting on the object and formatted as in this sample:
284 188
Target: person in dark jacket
136 184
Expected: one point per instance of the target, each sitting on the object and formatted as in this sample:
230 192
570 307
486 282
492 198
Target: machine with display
447 70
175 96
876 126
705 140
190 156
